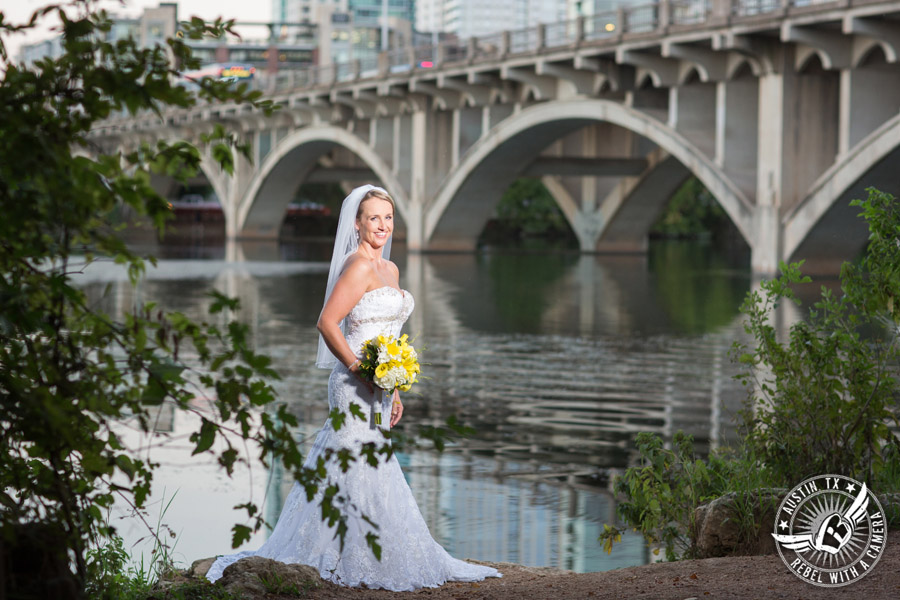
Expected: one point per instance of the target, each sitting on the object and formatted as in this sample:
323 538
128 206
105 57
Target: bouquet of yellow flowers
390 364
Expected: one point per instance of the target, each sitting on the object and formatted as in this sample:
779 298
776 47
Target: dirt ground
751 577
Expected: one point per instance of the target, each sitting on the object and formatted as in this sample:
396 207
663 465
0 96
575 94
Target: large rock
200 567
256 576
742 523
738 523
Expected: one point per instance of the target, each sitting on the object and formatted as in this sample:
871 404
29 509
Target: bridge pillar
244 171
418 167
586 222
797 142
775 120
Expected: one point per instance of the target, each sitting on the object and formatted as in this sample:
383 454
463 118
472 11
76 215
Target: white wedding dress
410 557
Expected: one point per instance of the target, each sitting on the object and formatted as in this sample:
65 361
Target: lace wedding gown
410 557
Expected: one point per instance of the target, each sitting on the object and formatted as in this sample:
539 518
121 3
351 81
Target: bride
362 300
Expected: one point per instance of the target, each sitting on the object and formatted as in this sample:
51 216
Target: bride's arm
396 408
348 290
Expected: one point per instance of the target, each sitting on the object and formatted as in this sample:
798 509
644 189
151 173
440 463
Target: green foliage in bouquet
390 363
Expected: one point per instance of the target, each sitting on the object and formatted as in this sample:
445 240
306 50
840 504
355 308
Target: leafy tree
692 211
527 210
68 373
822 399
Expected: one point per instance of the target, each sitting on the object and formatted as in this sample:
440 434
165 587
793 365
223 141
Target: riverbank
738 578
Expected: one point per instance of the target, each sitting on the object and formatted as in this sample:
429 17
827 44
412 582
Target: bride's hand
354 368
396 408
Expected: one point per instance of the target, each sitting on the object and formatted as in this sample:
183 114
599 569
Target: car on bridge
230 72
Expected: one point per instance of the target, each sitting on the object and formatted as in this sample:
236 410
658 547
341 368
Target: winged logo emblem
833 532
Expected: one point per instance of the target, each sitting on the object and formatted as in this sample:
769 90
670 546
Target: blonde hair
376 194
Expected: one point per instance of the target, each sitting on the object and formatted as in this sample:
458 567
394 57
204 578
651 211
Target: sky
19 11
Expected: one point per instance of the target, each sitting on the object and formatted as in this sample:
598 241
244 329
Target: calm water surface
556 360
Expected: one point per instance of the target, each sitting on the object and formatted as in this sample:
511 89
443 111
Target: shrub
821 401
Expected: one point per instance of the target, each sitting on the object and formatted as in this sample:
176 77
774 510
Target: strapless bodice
383 310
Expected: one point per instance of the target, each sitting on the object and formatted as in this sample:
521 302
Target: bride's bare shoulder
356 266
394 268
356 275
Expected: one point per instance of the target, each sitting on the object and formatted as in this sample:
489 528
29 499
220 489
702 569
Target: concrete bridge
785 110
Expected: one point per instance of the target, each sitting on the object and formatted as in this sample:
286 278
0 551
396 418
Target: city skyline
462 18
21 10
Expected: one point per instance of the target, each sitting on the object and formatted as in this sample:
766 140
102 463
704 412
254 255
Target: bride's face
376 222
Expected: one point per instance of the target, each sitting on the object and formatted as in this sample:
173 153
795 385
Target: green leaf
240 534
357 411
205 437
337 417
372 542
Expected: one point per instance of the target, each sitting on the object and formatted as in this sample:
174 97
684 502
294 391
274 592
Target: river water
557 360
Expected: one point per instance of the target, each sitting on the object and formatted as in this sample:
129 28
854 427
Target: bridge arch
866 50
741 66
491 164
216 177
290 161
824 214
209 169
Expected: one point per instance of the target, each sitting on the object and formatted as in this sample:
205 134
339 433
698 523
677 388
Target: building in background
31 53
351 30
586 8
370 13
323 32
305 11
467 18
156 25
265 47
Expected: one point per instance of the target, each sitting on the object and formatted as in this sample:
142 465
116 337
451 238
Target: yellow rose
404 388
393 349
381 369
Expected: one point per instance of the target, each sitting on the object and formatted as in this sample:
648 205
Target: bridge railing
691 12
745 8
564 33
486 47
525 40
643 18
603 25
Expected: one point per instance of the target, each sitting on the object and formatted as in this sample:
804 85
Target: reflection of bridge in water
561 433
600 366
555 405
593 359
784 110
